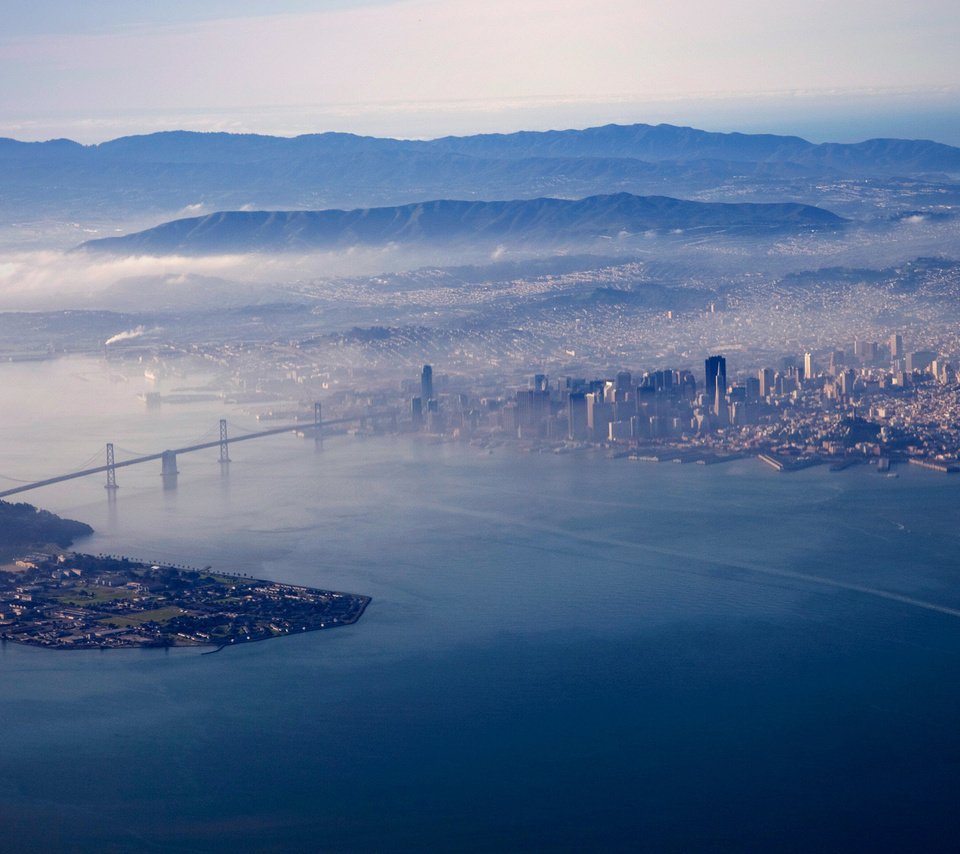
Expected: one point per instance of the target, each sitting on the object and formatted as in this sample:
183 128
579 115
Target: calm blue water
563 653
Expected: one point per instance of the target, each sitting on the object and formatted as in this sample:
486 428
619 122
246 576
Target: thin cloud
50 280
427 53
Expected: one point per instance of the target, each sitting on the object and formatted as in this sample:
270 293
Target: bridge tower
224 442
168 464
111 469
318 424
168 470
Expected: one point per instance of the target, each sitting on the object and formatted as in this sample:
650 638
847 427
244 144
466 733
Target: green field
97 593
157 615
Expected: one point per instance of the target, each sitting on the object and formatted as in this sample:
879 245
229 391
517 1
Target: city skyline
592 368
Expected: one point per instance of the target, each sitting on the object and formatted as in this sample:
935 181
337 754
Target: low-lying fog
52 279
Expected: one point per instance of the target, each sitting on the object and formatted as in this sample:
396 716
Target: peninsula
81 601
24 526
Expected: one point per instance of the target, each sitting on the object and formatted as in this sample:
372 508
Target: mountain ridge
172 173
636 141
639 141
447 221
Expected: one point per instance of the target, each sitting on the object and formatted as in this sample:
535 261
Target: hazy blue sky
843 70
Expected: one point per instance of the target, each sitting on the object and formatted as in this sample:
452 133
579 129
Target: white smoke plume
126 335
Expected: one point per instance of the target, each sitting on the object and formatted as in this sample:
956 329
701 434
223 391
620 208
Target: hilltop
24 526
542 221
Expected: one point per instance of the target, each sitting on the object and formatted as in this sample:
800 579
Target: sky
421 68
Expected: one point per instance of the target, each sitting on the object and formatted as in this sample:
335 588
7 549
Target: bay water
563 652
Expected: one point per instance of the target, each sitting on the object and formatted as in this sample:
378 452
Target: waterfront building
919 360
426 383
533 409
847 380
686 383
896 346
577 427
599 415
619 431
715 371
436 423
720 409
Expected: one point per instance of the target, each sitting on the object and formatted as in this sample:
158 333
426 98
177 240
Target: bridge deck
287 428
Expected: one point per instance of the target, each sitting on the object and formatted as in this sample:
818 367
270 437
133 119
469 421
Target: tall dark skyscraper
577 416
896 346
715 368
766 377
426 384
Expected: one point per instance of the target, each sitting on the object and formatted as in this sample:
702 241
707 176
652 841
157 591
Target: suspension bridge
168 458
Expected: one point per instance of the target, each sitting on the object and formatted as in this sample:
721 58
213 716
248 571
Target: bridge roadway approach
303 426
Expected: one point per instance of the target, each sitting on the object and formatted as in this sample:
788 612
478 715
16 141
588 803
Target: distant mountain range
652 143
165 172
523 222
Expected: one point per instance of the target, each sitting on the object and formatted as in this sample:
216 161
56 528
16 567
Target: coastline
77 601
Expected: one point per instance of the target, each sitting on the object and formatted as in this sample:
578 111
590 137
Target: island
70 600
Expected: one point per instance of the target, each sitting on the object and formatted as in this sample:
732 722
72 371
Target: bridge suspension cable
208 434
86 463
14 479
81 467
236 428
222 441
126 451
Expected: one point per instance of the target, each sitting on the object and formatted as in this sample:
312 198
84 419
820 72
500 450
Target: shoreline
216 647
73 601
